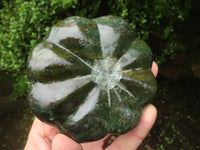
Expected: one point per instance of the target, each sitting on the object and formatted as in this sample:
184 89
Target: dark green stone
91 77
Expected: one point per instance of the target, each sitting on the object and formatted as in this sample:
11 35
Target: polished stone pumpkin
90 77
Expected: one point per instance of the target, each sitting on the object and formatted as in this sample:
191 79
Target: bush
23 23
20 88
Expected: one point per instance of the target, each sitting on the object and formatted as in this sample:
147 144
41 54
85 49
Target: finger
132 139
62 142
40 135
97 145
154 68
44 130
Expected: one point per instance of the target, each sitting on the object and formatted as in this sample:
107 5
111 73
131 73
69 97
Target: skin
46 137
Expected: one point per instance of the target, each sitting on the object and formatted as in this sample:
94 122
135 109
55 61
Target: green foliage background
170 28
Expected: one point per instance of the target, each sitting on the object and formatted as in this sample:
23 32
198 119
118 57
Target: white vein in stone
59 33
109 100
117 94
129 57
79 58
43 57
88 105
136 81
126 71
108 39
53 92
121 86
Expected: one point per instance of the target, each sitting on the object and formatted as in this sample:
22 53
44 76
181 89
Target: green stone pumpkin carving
91 77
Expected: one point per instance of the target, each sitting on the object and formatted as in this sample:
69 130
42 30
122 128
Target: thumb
62 142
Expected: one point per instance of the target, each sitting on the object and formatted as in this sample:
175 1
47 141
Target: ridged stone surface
90 77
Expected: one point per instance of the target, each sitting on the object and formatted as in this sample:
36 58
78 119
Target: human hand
46 137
